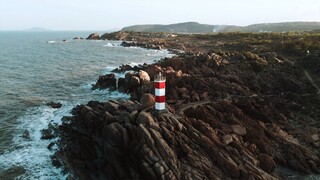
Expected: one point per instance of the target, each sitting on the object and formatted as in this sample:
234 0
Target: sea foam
31 153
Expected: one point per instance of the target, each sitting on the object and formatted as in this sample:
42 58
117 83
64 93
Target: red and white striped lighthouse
160 91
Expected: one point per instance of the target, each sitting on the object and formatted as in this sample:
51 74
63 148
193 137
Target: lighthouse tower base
157 113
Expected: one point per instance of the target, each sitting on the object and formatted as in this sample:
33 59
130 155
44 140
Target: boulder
93 36
144 76
134 82
122 85
239 130
77 38
312 138
47 134
152 70
54 105
227 139
266 163
145 118
147 100
106 81
315 137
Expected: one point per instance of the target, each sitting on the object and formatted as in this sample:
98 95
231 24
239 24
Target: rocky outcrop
106 81
213 140
148 45
54 105
116 36
230 116
94 36
78 38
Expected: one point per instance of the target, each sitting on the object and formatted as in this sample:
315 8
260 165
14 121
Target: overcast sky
107 14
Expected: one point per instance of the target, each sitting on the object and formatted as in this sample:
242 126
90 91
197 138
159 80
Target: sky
115 14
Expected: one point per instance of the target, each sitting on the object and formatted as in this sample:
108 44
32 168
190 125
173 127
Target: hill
36 29
280 27
194 27
187 27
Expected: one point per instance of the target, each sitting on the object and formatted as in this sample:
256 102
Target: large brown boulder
94 36
144 76
147 100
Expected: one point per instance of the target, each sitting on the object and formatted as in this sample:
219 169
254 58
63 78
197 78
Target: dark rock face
116 36
93 36
77 38
124 68
111 140
54 105
49 133
148 45
106 81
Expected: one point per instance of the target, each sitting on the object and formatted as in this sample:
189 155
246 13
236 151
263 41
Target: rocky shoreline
231 115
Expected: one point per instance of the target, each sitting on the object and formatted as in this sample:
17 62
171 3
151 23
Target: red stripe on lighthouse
160 85
160 99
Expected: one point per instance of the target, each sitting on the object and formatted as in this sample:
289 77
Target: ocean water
38 67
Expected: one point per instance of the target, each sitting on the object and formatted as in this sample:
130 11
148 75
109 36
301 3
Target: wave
110 45
31 153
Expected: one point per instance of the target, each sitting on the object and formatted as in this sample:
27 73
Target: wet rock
26 135
47 134
122 85
106 81
124 68
55 161
77 38
51 145
13 172
54 105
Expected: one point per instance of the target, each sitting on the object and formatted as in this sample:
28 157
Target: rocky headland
231 113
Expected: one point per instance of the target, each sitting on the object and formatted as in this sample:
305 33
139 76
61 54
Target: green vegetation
290 43
194 27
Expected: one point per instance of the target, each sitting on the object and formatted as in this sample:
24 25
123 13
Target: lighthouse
160 92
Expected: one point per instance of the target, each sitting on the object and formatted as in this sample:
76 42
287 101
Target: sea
39 67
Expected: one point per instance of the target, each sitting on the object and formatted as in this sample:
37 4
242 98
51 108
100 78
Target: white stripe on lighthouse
160 106
160 92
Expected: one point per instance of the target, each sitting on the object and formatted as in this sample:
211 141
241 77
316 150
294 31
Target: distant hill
285 26
187 27
194 27
36 29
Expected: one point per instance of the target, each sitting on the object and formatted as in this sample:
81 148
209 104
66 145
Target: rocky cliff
239 116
